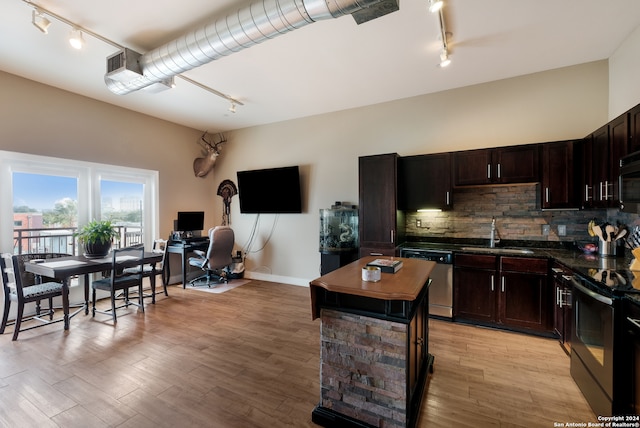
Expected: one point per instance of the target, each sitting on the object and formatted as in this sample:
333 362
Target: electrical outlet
418 222
562 230
546 229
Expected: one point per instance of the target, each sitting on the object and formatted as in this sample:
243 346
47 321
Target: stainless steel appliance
596 332
441 289
629 183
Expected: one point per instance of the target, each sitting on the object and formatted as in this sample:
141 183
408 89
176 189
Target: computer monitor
190 221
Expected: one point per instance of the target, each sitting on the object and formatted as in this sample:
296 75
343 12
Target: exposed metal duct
244 28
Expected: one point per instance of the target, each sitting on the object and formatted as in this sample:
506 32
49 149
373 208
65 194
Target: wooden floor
250 358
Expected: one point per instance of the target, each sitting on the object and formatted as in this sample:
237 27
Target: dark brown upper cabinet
634 129
602 152
424 182
502 165
560 175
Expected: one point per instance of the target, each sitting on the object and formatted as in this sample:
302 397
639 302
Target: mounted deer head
202 166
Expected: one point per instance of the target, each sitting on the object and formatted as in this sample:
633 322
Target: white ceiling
327 66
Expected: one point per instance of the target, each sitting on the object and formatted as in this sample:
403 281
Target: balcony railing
61 239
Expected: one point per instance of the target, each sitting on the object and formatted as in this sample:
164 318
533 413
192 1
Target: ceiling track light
232 108
40 21
445 60
435 5
75 38
39 11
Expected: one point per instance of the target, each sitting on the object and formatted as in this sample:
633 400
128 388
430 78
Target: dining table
65 268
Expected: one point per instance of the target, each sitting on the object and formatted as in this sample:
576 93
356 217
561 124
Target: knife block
635 264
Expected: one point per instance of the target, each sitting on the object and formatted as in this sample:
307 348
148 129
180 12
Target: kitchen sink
498 250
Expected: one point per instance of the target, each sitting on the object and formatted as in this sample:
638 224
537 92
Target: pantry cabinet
381 224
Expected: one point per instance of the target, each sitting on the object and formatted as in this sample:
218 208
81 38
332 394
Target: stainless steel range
441 289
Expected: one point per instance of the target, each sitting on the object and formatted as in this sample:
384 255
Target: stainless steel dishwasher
441 290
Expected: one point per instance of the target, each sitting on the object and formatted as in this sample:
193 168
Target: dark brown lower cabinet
508 292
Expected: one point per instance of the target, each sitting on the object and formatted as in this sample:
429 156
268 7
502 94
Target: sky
42 191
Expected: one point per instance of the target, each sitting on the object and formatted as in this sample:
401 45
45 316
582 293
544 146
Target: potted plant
96 237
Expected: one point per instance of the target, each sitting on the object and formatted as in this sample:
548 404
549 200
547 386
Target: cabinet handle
558 297
586 193
608 185
375 254
502 283
499 171
447 198
604 190
489 171
546 194
392 236
492 281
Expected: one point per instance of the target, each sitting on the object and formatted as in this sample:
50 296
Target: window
87 184
46 206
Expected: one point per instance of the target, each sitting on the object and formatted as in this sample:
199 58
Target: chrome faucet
492 237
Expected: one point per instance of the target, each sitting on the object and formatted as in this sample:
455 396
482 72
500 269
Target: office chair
118 280
22 287
217 257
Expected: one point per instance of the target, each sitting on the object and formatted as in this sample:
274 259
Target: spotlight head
444 59
232 108
435 5
75 39
40 21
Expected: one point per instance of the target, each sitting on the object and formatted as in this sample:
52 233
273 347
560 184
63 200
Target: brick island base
374 360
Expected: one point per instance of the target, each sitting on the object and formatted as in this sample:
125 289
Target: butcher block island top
374 350
406 284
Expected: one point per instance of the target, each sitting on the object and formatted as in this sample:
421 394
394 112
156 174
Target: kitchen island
374 360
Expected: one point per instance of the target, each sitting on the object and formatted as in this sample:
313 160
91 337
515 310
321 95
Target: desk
177 247
63 268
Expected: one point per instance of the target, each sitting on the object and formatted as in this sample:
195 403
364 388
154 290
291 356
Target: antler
202 166
213 146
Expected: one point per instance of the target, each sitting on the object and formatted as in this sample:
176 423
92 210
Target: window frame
88 176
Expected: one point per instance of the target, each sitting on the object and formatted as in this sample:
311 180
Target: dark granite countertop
609 274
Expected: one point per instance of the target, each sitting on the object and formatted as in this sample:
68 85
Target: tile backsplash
518 216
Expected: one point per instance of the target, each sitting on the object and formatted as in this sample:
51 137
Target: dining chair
22 287
160 246
118 280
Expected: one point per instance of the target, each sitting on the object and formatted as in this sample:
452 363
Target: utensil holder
607 248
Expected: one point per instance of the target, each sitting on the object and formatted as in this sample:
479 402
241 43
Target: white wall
556 105
624 69
42 120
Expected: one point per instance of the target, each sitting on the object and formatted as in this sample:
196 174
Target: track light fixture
40 21
445 60
435 5
75 38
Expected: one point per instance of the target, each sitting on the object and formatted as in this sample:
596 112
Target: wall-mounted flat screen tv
270 191
190 221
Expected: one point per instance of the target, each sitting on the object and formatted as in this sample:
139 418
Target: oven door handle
634 322
592 294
